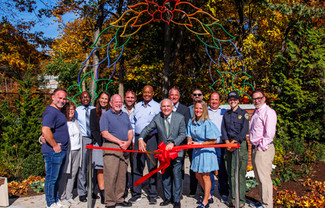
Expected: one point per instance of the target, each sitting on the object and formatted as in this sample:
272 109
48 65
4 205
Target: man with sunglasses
262 131
197 95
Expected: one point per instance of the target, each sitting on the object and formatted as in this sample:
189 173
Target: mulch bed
317 174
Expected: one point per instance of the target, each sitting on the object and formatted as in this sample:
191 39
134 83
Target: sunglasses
198 94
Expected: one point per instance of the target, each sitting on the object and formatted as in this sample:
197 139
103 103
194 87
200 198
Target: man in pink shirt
262 131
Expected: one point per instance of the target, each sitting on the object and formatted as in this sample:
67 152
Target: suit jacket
94 128
177 130
182 109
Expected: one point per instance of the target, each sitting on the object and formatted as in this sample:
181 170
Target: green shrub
33 165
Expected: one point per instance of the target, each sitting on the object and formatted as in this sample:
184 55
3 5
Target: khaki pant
115 168
262 164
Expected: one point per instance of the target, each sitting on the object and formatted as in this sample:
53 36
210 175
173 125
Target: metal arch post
89 169
237 178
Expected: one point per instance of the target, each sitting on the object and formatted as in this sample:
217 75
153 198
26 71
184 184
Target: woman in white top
73 158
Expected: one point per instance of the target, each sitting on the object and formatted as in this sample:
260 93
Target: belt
256 146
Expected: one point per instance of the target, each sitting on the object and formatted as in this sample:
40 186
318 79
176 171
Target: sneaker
257 204
54 205
63 202
72 201
135 199
224 199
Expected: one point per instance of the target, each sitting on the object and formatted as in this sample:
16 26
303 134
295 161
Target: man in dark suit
174 95
172 131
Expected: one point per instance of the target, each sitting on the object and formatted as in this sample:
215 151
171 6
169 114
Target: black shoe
124 204
83 198
177 205
102 196
135 199
94 196
152 201
192 193
113 206
165 202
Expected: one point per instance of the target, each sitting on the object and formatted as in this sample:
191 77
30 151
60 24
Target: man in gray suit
172 131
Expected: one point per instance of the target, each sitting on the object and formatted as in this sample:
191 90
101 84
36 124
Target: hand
190 142
230 149
142 145
42 139
124 145
170 146
57 148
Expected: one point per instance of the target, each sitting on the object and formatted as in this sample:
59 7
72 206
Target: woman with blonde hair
202 131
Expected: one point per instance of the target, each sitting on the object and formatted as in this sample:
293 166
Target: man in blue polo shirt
116 128
56 135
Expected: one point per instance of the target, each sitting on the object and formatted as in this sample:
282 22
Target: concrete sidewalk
187 201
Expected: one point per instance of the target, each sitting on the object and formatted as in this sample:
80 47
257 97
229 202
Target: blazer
177 130
185 111
94 128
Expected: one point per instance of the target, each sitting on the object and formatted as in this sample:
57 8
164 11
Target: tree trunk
122 68
167 58
97 31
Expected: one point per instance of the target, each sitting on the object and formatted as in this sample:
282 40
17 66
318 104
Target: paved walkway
186 202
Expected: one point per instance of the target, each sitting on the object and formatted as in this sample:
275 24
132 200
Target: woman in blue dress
202 131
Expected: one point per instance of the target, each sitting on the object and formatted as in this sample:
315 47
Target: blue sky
46 25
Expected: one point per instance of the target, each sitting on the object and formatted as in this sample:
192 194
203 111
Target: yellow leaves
15 188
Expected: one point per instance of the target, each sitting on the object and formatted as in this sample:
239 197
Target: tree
16 52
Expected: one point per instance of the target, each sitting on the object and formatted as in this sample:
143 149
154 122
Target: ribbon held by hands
163 155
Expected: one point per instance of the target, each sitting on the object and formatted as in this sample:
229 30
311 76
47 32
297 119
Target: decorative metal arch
170 11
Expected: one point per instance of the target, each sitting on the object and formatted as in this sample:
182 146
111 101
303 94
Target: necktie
87 121
167 126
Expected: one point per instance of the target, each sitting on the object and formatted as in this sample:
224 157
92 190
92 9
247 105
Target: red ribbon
164 156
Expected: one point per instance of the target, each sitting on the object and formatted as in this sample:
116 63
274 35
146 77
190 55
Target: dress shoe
165 202
135 199
232 204
83 198
177 205
152 201
113 206
94 196
124 204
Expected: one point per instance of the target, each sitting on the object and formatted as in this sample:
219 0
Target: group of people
66 130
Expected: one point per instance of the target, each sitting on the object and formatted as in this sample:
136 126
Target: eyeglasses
258 98
197 94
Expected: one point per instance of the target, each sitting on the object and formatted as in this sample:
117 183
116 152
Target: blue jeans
222 175
54 163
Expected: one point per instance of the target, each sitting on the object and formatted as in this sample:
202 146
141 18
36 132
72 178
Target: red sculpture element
164 12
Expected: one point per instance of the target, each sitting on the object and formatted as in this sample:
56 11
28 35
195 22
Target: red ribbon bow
164 157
